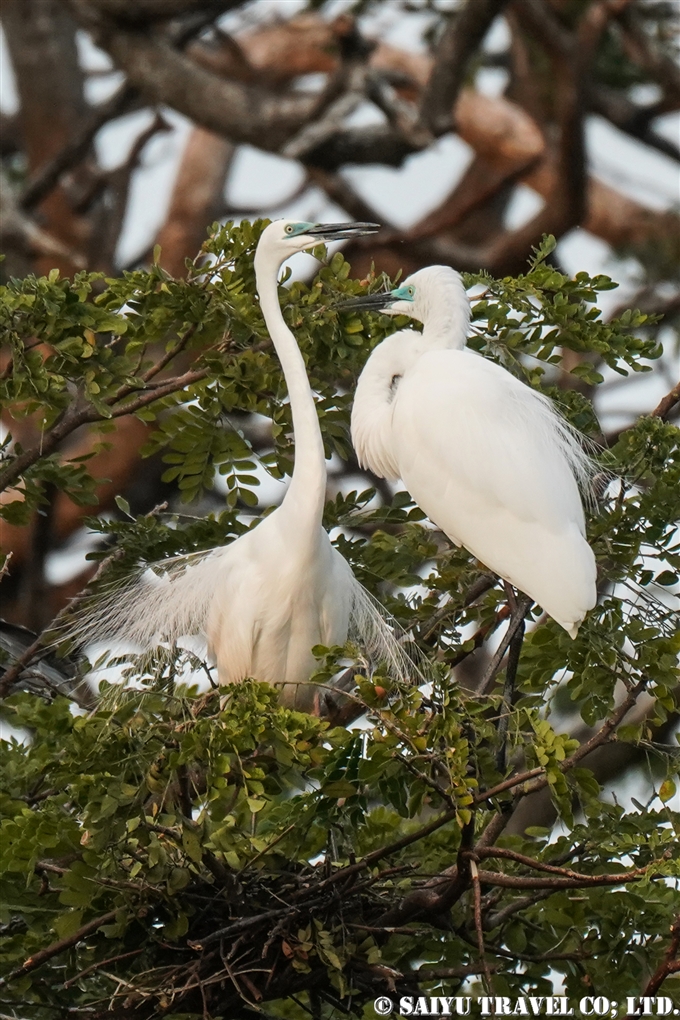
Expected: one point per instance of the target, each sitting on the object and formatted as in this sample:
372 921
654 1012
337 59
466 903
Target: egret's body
279 590
265 600
283 588
489 460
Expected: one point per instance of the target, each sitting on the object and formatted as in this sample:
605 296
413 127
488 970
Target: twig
516 621
102 963
519 607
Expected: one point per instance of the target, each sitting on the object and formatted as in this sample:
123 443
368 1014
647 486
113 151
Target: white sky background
402 196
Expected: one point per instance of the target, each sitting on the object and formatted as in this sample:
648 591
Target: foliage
172 853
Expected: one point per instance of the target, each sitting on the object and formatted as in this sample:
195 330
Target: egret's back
493 465
277 596
489 460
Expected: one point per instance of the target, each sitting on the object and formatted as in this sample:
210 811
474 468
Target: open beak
367 302
339 231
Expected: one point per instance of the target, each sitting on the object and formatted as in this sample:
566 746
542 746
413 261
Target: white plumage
489 460
266 599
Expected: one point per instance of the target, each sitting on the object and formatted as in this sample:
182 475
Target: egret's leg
518 610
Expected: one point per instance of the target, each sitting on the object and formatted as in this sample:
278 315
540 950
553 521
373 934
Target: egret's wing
485 439
496 468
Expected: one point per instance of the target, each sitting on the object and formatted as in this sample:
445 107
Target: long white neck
308 485
447 319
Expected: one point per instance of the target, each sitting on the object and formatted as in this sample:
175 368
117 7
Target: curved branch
240 112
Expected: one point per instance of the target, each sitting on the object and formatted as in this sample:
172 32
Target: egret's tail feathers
164 602
577 449
382 639
154 604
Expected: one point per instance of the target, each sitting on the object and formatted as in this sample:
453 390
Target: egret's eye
411 291
289 228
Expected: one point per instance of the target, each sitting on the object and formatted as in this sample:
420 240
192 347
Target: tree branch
669 965
658 65
76 148
665 406
496 878
240 112
461 38
37 960
73 419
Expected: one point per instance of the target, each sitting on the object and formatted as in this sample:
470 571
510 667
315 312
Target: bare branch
240 112
641 49
77 147
461 38
33 962
496 878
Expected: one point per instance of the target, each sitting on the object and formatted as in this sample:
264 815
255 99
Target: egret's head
284 238
420 296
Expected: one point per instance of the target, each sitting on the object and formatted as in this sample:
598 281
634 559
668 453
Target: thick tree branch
658 65
197 198
460 40
240 112
142 12
42 182
42 45
630 118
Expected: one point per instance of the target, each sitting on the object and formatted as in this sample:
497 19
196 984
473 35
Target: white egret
266 599
489 460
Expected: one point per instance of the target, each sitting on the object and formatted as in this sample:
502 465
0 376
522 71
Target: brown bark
117 464
614 217
196 198
41 40
242 112
461 38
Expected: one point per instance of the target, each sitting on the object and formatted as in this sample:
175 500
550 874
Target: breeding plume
490 461
267 598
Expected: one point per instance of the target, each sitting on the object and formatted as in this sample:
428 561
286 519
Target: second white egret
489 460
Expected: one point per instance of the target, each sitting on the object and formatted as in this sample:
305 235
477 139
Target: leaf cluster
133 835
